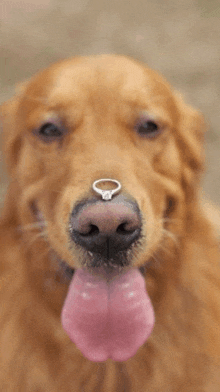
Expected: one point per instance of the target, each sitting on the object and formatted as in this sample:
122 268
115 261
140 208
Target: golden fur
98 100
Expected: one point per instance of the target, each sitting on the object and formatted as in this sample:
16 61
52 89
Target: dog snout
106 227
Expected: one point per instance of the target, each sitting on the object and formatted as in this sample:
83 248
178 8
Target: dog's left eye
50 130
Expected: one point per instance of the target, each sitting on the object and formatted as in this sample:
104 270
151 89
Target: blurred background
181 39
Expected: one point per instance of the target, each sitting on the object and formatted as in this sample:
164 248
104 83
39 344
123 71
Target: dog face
86 119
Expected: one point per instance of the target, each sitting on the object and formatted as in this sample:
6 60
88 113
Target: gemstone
106 195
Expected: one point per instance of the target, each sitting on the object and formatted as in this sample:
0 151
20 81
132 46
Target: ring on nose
106 194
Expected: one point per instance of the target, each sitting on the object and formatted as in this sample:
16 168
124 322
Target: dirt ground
181 39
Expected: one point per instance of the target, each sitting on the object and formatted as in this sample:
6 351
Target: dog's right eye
147 127
50 130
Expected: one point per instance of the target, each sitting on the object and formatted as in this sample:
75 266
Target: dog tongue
108 319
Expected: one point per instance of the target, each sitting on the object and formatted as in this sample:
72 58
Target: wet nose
106 227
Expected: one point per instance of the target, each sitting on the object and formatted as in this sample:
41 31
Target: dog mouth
107 312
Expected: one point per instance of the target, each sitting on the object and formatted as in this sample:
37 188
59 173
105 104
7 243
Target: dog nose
106 227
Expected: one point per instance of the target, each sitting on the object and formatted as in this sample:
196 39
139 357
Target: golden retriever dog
110 268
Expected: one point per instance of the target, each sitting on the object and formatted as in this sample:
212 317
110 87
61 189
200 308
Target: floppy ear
11 129
190 135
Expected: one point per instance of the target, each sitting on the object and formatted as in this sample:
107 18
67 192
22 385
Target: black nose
106 227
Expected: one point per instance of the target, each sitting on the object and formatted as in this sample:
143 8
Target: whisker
169 234
32 226
156 260
36 236
169 220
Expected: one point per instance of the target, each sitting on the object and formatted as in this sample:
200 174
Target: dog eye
50 130
148 128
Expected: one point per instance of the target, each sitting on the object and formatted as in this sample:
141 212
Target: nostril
123 228
92 230
126 228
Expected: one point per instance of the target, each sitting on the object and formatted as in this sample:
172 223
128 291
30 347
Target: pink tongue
108 319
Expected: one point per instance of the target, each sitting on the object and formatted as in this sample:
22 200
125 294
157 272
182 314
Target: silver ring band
106 194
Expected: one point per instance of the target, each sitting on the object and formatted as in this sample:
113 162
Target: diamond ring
106 194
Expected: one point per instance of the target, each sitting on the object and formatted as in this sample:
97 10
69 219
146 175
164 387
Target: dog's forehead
98 75
110 73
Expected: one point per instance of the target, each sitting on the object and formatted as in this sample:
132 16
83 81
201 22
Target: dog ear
190 138
11 129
